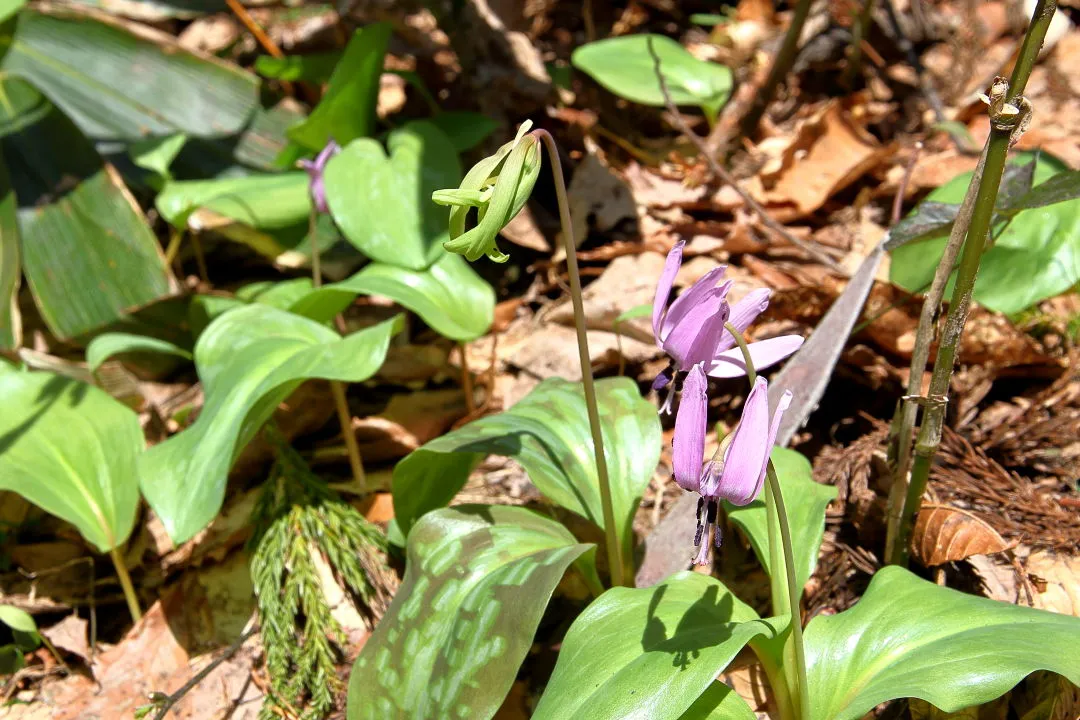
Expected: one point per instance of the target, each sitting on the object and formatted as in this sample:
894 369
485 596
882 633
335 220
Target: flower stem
785 57
316 261
785 588
997 148
614 543
125 584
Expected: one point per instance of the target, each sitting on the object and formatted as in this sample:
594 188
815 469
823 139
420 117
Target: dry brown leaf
838 156
1056 576
523 231
946 534
70 634
627 281
409 421
598 193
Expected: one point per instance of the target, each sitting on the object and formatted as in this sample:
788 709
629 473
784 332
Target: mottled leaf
70 449
249 360
911 638
121 81
449 295
383 203
347 108
477 580
805 501
1060 188
82 234
624 66
548 433
106 345
649 652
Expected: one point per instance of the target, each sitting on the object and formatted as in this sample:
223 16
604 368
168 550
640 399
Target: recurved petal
692 296
685 340
749 449
663 289
778 415
729 363
743 314
688 443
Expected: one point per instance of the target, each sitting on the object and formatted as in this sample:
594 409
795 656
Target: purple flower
739 475
692 329
315 170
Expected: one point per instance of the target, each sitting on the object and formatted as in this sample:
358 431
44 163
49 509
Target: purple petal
318 194
729 363
688 443
744 313
778 415
663 288
749 450
694 295
684 342
331 149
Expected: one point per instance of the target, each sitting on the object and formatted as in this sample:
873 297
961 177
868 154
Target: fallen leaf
523 231
946 534
409 421
552 352
627 281
70 634
1057 579
598 195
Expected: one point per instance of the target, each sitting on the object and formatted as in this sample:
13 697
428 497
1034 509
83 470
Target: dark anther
700 527
664 378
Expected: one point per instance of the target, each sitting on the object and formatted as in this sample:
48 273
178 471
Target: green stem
785 588
614 544
316 261
783 62
125 584
997 148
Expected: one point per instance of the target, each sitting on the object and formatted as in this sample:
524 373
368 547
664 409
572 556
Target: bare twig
727 179
166 703
901 191
785 58
260 36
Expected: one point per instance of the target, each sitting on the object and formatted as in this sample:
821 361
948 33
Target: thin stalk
176 235
780 67
200 258
904 421
352 448
997 148
466 380
316 261
125 584
614 544
785 587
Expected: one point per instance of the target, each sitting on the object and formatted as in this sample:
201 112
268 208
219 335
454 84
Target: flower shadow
705 623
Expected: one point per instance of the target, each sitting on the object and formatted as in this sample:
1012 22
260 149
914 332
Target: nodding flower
738 474
315 169
691 331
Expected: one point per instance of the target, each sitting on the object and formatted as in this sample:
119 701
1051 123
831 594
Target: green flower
498 187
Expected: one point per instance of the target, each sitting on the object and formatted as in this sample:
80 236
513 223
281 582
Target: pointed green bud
498 186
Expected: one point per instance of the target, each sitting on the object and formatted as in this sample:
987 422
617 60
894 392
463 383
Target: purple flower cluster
692 331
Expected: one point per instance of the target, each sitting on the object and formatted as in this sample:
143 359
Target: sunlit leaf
121 81
1035 254
805 501
249 360
82 234
650 652
719 702
106 345
449 296
548 433
382 203
347 109
10 265
477 581
313 68
624 66
911 638
17 619
70 449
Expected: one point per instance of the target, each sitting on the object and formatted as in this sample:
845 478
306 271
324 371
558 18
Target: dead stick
260 36
166 704
727 179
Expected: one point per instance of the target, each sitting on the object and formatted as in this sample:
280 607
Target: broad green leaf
548 433
719 702
82 234
127 84
911 638
282 295
10 266
449 296
261 201
1036 256
464 129
1060 188
256 147
17 619
249 360
382 204
156 154
347 109
104 346
313 68
648 652
70 449
624 66
805 501
476 583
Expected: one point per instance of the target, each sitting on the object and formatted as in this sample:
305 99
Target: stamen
665 409
700 526
710 516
